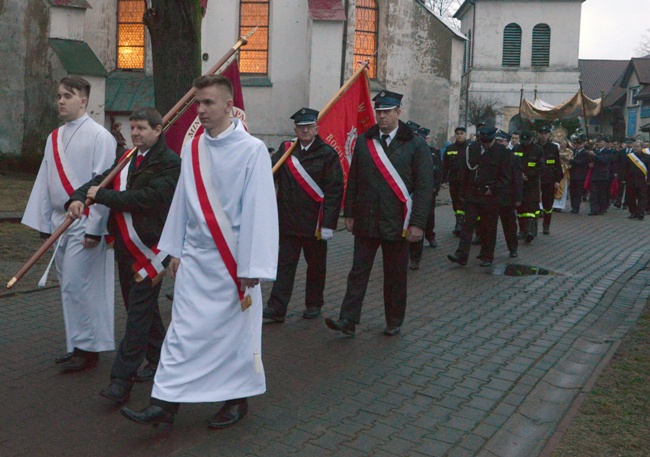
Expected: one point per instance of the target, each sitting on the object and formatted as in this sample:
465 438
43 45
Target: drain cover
516 269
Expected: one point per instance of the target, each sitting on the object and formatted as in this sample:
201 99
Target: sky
613 29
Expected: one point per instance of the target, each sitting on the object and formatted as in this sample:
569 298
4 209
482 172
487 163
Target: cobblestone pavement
486 365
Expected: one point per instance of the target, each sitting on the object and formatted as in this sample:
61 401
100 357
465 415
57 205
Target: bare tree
444 8
483 109
644 48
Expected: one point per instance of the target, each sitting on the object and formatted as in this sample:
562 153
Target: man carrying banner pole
310 191
386 204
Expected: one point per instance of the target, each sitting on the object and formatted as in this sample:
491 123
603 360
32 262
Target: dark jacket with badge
601 161
490 171
551 170
632 174
530 158
148 195
453 161
297 211
579 165
369 199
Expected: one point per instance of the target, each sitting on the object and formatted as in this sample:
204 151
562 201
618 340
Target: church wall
100 31
325 62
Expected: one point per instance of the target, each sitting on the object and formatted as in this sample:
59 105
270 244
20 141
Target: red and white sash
640 165
308 185
66 177
148 261
217 220
393 179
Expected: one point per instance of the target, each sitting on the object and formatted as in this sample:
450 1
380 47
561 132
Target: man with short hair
74 154
635 175
600 159
386 204
222 234
452 164
550 175
514 140
139 200
310 191
624 150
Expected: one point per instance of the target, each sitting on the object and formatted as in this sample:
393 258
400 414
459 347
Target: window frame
118 47
372 32
540 56
253 47
512 52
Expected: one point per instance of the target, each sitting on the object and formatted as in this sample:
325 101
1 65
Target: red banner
350 116
188 126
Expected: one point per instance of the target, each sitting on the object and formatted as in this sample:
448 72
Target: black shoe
229 414
270 313
617 205
147 373
456 259
151 415
63 358
345 326
574 211
432 243
414 266
392 330
80 360
118 393
546 230
592 214
312 312
486 263
513 254
529 238
631 216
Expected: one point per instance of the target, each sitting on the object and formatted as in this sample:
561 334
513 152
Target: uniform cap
486 134
386 99
305 116
414 125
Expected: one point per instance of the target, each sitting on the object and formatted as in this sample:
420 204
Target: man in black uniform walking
484 180
550 175
600 160
139 201
511 198
452 163
530 159
386 204
310 191
635 175
578 173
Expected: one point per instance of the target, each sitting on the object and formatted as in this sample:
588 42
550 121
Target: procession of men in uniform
221 223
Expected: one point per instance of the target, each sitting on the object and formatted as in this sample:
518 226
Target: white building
515 44
302 53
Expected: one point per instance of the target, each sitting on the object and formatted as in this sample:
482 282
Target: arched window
254 57
130 34
511 46
365 34
541 46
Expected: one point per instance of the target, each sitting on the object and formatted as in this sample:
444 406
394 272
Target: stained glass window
254 57
365 34
130 34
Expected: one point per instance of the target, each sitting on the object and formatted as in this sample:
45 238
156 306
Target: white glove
326 233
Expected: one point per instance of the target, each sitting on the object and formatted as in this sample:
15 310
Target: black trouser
395 255
145 330
454 193
509 225
637 200
489 215
415 249
576 189
316 256
173 407
598 191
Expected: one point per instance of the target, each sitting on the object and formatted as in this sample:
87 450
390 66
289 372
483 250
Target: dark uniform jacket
148 195
453 161
376 210
491 171
516 182
437 170
579 165
297 211
551 171
632 175
530 158
602 160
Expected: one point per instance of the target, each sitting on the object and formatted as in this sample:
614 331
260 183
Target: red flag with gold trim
350 116
188 126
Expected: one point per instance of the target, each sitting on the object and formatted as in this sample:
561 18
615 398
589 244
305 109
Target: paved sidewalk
487 365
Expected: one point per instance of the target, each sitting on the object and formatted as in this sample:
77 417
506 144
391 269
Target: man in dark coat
310 191
415 249
485 179
452 164
386 204
139 200
510 198
600 159
624 150
635 175
578 173
530 157
550 175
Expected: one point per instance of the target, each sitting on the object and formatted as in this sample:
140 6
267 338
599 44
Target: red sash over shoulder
308 185
214 216
393 179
